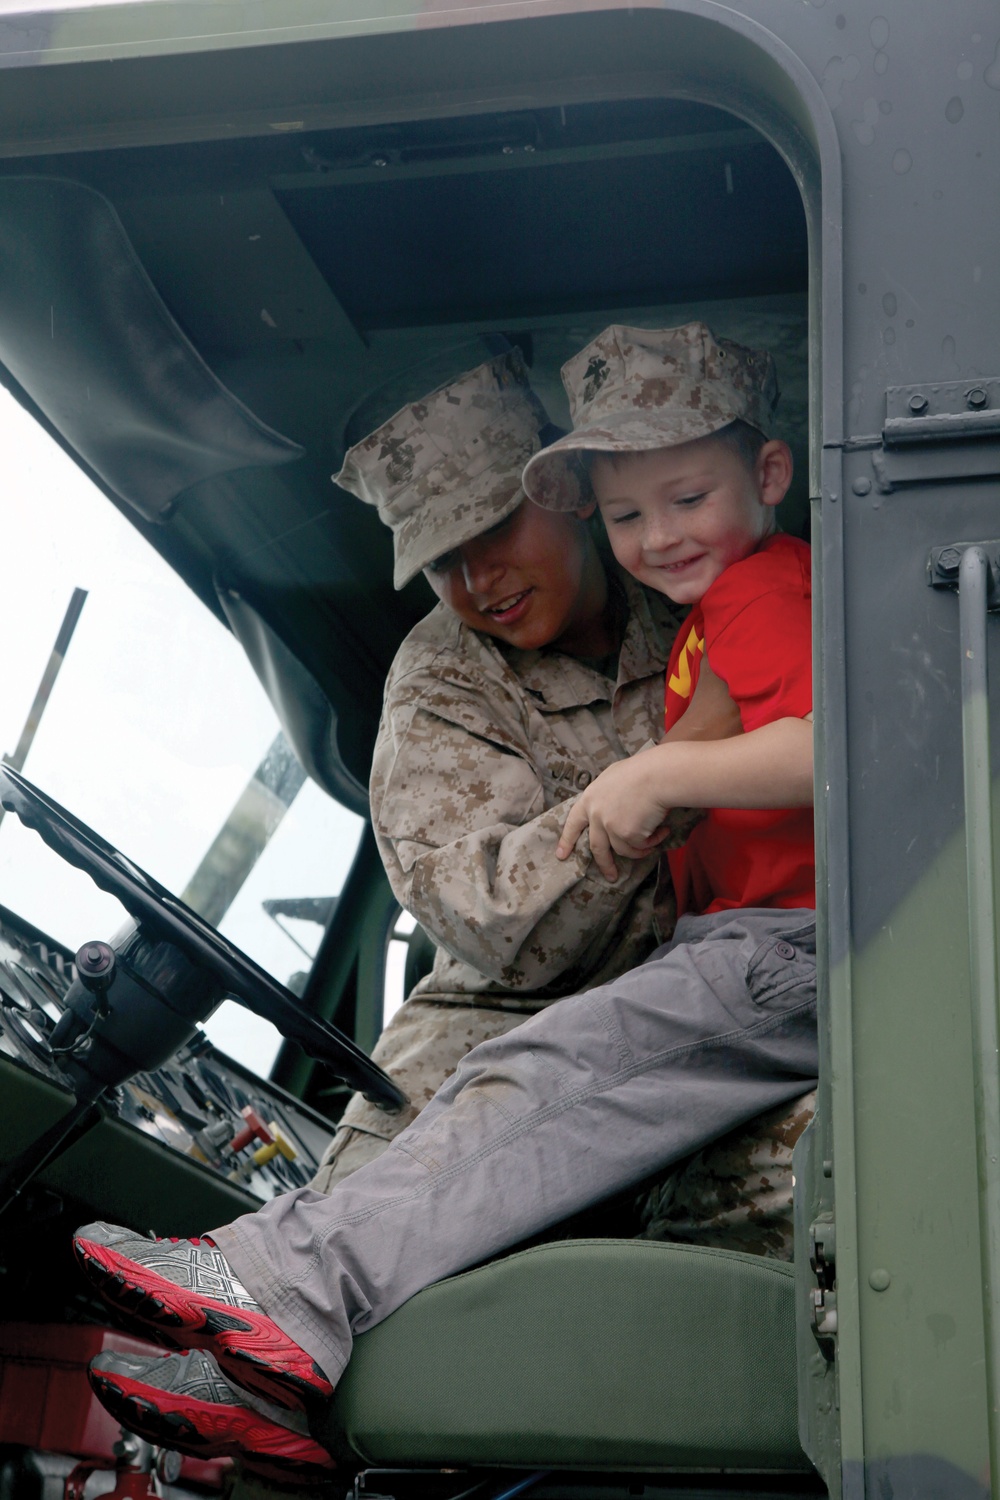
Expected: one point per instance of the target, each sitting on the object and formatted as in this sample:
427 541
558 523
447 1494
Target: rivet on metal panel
976 398
917 404
862 486
879 1280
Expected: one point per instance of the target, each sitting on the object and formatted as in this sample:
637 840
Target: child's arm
625 807
711 714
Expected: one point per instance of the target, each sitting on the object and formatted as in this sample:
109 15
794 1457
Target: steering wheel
169 971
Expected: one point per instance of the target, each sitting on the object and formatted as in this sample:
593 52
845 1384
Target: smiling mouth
685 562
507 607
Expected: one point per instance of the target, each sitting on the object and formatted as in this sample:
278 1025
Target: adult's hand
626 809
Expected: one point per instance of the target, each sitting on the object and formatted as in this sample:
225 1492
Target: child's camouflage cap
636 389
448 467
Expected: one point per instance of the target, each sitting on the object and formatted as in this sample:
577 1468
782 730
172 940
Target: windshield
155 728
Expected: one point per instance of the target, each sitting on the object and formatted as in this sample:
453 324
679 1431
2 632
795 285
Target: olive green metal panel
120 1173
918 1245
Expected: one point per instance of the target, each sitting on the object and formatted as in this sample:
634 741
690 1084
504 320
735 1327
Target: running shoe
187 1294
184 1402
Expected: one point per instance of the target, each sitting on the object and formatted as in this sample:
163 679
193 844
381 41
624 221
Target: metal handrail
973 596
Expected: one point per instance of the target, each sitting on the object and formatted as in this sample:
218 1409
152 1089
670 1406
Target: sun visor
86 334
305 712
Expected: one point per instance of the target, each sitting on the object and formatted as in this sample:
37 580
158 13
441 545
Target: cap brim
551 479
417 546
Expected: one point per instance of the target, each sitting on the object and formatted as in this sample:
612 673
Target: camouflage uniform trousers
735 1194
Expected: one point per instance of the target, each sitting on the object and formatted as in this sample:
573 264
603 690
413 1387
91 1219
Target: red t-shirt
754 625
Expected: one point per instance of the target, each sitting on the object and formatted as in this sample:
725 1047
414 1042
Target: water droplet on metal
954 110
902 161
864 129
889 304
879 32
838 71
992 74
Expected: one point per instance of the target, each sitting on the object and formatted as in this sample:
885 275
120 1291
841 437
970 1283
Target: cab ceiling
308 268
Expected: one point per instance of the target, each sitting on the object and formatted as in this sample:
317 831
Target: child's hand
624 811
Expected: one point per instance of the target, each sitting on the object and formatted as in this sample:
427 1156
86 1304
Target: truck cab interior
204 274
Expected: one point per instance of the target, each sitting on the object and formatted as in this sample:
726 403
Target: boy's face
678 517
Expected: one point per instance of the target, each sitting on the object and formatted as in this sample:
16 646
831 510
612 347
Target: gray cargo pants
596 1092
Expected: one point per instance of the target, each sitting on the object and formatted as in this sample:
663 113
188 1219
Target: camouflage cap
448 467
635 389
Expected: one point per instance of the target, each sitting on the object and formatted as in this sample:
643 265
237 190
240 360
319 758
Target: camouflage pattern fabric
480 749
448 467
735 1194
636 389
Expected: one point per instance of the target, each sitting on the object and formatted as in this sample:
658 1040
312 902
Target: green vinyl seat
588 1354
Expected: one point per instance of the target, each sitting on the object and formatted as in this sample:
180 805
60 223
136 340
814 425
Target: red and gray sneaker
186 1293
183 1401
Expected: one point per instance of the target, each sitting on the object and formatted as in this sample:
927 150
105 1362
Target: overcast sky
33 7
155 725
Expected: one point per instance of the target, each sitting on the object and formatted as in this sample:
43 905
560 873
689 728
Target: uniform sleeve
458 807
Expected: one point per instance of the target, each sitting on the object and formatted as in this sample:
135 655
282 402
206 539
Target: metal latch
945 430
823 1298
944 564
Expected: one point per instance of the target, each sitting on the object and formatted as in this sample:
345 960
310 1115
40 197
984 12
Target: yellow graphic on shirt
680 682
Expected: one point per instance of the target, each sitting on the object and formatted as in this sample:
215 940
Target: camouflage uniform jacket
479 750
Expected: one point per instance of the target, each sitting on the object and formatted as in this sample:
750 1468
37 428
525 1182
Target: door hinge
823 1298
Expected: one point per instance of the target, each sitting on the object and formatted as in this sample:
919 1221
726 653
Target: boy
595 1092
670 435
